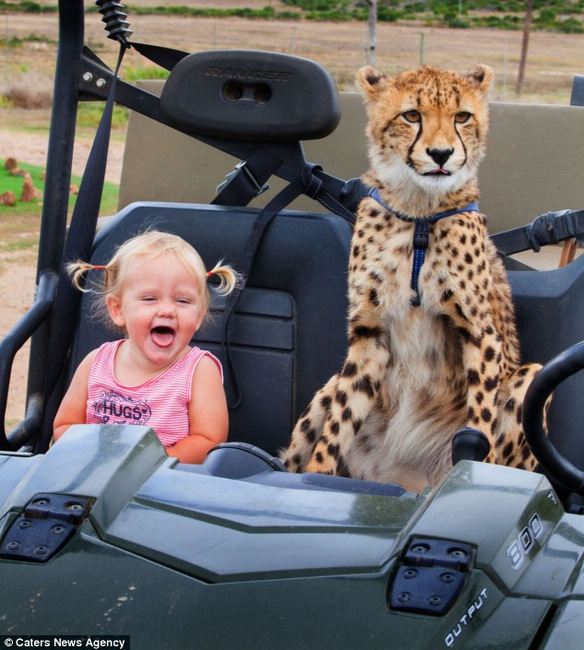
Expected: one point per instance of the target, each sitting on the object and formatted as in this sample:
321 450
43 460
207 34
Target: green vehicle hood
178 558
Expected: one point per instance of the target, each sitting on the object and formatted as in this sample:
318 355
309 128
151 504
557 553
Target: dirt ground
554 58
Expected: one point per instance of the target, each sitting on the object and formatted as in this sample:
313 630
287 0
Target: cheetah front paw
319 465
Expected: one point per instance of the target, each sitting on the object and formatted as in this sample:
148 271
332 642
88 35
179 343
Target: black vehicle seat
550 318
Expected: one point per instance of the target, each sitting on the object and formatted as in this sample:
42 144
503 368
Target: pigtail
227 278
77 272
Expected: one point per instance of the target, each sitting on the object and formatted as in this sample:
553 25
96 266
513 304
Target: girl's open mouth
162 336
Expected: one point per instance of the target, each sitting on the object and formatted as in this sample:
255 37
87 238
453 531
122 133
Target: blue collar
421 233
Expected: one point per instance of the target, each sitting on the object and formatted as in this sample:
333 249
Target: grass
19 238
12 183
26 243
89 115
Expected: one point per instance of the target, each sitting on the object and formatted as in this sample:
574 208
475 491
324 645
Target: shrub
31 90
570 26
133 74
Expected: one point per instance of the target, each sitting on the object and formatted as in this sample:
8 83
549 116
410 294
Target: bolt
403 597
58 529
41 503
12 546
410 573
447 578
419 548
25 523
457 553
87 76
435 600
41 550
100 83
74 507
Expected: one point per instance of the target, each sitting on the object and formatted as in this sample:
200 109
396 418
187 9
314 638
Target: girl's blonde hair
149 246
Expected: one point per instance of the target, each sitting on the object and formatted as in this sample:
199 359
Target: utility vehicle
104 534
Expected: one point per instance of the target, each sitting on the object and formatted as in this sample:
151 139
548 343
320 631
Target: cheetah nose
440 156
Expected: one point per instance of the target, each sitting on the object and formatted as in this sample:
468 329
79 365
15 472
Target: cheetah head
427 127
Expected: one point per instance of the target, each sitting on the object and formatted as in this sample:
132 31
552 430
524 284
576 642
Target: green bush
386 14
445 12
335 15
137 73
570 26
288 15
456 22
546 17
89 115
498 22
316 5
26 7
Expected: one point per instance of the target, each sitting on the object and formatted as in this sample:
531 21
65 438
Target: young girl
155 290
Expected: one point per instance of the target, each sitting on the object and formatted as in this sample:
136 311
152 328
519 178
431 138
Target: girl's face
160 307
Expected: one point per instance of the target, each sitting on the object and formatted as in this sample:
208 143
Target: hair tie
210 273
99 267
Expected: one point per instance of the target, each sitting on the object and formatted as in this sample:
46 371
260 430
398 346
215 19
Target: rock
29 191
8 198
11 165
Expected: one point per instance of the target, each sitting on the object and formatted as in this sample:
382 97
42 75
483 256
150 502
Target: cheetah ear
372 81
482 75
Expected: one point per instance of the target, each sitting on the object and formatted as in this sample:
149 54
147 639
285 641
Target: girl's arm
72 408
208 417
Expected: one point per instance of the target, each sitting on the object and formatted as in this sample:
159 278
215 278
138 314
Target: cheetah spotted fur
415 374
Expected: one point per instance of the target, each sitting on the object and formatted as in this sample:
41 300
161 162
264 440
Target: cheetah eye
412 116
463 117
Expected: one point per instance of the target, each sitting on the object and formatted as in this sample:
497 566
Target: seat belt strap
78 245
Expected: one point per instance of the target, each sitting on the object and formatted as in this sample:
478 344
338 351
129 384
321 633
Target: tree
371 32
524 47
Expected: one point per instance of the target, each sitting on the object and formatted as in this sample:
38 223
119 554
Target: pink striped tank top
160 403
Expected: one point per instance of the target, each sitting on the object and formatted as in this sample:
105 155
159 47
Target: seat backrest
549 304
288 334
550 318
531 166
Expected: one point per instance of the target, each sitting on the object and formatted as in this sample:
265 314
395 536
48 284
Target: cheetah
432 340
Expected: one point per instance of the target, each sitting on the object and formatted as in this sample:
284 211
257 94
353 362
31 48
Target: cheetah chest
421 403
422 396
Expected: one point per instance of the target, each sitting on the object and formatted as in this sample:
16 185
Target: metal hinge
430 576
47 523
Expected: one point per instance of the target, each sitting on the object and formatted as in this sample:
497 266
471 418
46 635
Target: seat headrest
251 95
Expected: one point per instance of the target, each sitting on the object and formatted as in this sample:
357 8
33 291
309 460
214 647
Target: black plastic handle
470 444
549 377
